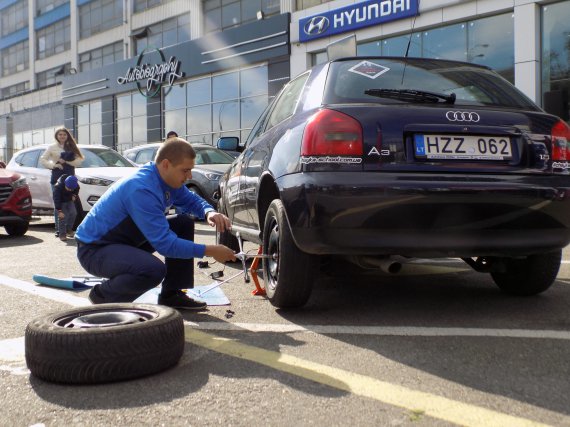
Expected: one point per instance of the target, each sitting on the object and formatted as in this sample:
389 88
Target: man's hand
60 215
218 220
220 253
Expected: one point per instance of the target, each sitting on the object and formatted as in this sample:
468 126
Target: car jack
243 257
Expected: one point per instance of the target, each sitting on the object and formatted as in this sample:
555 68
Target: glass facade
487 41
14 18
304 4
165 33
220 15
140 5
43 6
15 89
98 16
131 120
89 120
556 58
98 58
227 104
15 58
53 76
53 39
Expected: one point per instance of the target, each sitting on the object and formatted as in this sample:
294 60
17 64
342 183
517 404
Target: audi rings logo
316 25
462 116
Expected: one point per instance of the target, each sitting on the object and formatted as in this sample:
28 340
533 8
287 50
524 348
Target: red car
15 203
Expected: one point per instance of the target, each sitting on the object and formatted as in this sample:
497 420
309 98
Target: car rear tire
529 276
104 343
289 276
18 229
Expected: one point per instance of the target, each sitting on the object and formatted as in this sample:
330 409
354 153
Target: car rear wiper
411 95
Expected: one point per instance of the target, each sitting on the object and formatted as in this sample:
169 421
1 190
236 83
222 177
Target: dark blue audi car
372 158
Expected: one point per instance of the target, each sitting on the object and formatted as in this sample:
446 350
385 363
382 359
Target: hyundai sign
363 14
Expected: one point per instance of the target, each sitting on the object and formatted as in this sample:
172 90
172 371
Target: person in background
171 134
65 193
119 235
62 157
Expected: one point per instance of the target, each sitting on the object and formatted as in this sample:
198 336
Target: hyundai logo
462 116
316 25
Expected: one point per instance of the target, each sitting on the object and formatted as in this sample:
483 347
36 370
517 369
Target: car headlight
20 182
96 181
213 176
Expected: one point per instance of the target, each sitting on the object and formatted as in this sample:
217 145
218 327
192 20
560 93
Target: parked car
15 203
211 163
370 158
101 167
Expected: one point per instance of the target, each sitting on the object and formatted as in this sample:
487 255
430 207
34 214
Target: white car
101 167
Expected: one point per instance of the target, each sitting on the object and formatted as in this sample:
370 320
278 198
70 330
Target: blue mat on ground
214 297
72 283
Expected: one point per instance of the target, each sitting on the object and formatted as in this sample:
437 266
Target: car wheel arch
268 191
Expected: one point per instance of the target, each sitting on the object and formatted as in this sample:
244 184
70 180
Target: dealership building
125 72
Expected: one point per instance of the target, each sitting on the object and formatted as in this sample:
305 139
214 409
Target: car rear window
472 85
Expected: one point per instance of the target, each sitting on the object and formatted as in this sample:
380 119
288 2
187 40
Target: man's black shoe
95 297
182 301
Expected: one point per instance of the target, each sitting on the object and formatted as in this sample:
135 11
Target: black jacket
61 194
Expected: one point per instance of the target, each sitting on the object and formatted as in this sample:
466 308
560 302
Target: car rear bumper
430 215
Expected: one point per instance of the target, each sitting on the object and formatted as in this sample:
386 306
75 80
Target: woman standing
61 157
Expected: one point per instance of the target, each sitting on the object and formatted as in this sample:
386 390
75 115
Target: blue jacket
62 194
132 212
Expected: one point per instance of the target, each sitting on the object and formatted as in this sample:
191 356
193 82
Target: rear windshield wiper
411 95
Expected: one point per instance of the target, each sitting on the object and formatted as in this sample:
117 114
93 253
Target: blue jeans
65 225
131 271
55 217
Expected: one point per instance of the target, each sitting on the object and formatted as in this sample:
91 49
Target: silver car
101 167
211 163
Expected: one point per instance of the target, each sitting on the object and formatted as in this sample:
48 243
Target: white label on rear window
369 69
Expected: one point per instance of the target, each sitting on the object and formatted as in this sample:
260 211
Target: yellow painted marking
431 405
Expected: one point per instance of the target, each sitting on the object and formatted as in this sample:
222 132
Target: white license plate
466 147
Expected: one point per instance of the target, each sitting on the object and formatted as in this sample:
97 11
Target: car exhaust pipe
389 264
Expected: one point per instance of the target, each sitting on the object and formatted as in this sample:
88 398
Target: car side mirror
228 143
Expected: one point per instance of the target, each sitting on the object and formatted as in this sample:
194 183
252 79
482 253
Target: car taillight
331 132
560 138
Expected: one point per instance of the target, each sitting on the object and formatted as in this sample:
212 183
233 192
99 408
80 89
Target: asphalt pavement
436 345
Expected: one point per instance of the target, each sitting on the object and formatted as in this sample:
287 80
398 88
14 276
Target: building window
131 120
51 77
165 33
15 89
556 59
53 39
44 6
305 4
227 104
220 15
15 58
89 120
140 5
99 15
487 41
14 18
98 58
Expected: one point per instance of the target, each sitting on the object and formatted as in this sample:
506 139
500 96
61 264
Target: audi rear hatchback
372 158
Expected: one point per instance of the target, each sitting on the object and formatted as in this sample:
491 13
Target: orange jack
253 270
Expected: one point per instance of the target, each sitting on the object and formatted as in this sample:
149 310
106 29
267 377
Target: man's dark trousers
134 270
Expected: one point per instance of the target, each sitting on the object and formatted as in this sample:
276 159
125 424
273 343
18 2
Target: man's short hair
170 134
175 150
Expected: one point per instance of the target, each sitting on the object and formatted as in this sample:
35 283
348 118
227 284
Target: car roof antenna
410 42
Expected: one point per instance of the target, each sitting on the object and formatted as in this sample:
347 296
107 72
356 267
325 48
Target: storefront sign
355 16
155 75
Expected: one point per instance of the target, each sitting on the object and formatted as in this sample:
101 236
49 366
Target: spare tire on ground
104 343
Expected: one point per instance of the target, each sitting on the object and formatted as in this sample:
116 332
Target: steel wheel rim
273 262
104 318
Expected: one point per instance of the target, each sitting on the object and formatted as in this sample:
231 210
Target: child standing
65 193
61 157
